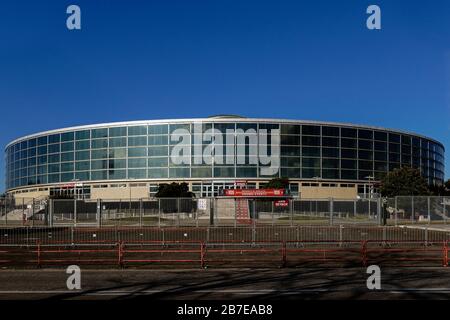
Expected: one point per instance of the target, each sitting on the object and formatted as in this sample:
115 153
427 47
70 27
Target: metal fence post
50 213
235 213
330 200
341 227
412 209
395 210
291 211
140 212
445 214
354 208
75 211
429 209
99 213
159 213
379 211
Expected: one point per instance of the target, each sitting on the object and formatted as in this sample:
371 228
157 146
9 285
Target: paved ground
342 283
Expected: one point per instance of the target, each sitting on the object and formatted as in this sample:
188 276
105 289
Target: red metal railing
284 253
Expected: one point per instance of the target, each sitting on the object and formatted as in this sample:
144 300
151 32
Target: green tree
441 190
277 183
405 181
174 190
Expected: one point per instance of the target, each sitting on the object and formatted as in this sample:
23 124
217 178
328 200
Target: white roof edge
214 119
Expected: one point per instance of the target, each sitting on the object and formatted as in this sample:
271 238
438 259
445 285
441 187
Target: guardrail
229 253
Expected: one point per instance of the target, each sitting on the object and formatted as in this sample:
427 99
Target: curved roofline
215 119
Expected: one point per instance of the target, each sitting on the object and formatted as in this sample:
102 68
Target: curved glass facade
145 150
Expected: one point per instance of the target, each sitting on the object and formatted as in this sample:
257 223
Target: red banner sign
254 192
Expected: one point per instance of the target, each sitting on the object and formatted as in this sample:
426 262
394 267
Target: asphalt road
314 283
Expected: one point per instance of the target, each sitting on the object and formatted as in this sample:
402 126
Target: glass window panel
54 138
290 140
365 165
201 172
309 173
330 142
330 174
290 172
52 178
99 164
406 140
137 152
348 164
118 132
348 153
67 146
311 130
42 159
330 131
82 165
394 157
82 176
117 164
137 131
69 156
42 150
311 141
100 133
348 143
393 137
365 155
365 144
83 135
380 166
381 136
393 147
330 163
246 172
311 152
82 155
158 162
158 173
158 140
117 174
137 141
311 162
99 175
42 169
53 158
41 141
365 134
118 153
99 154
330 152
32 143
348 132
380 146
83 145
158 129
53 168
290 162
117 142
289 129
67 166
381 156
158 151
67 176
53 148
137 163
99 143
67 136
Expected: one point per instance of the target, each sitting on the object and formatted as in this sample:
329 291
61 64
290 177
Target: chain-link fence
222 211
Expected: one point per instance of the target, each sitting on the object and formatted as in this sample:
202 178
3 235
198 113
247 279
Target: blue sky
312 60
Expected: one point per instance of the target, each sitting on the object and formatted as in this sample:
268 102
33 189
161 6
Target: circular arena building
130 159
